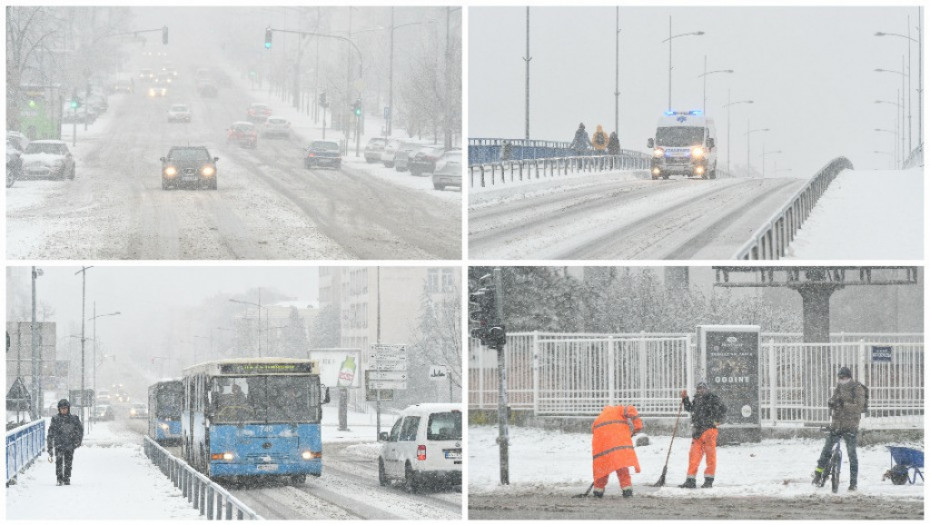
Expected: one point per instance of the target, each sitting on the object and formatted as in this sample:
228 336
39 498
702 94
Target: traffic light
482 316
323 99
74 103
357 107
267 38
164 35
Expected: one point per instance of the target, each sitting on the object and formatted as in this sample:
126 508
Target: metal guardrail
487 174
203 494
916 158
771 240
23 445
487 150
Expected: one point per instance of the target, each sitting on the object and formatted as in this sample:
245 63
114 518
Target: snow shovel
585 493
661 481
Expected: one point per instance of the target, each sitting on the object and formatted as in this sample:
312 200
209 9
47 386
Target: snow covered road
267 205
619 216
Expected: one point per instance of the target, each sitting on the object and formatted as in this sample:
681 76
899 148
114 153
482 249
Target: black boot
59 482
852 486
627 493
688 484
598 493
67 481
708 482
818 475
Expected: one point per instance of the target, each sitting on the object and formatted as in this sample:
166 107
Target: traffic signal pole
503 439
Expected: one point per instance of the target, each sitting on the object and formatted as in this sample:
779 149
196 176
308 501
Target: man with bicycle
847 405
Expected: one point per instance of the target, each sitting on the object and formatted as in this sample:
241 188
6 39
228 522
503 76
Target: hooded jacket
581 141
65 433
599 139
612 441
613 145
848 403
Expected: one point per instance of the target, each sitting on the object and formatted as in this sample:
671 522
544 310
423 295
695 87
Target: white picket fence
575 375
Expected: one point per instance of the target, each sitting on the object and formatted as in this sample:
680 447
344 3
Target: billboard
730 366
335 364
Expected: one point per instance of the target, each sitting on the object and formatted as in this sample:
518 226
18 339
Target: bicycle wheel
836 465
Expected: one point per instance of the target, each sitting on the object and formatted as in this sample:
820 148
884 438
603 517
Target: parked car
424 159
387 154
322 153
242 133
19 140
257 112
423 448
104 413
179 113
188 165
373 149
276 127
48 159
139 411
448 170
404 153
14 163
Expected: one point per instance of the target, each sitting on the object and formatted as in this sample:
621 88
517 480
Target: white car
179 113
424 447
387 154
276 127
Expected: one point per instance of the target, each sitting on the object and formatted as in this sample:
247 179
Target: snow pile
530 187
362 426
364 450
773 468
866 215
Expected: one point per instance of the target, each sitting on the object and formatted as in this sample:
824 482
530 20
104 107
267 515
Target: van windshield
679 136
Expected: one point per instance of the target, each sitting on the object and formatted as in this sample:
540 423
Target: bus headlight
309 454
306 454
164 426
658 152
699 170
697 152
224 455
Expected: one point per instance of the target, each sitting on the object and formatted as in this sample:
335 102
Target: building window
432 280
448 279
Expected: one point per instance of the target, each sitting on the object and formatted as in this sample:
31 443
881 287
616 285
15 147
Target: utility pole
390 115
617 76
920 79
378 326
83 272
36 370
503 438
527 59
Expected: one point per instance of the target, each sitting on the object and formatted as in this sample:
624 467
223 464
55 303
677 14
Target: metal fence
23 445
575 375
496 173
916 158
771 240
211 499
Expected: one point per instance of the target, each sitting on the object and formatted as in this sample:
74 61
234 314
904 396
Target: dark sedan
188 165
425 159
323 153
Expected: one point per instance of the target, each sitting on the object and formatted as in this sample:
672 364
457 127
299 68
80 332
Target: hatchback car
243 133
179 113
257 112
423 448
373 149
387 154
48 159
276 127
322 153
158 92
424 159
448 170
187 165
138 411
104 413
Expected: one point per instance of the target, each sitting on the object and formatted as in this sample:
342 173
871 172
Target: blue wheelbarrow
903 461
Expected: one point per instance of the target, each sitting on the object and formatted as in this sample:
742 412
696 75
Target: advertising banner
730 357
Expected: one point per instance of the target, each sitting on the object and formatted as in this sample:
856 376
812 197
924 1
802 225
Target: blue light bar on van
695 112
669 113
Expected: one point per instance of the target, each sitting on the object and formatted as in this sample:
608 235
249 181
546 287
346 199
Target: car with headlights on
448 170
48 159
276 127
154 92
242 133
179 113
323 153
190 166
139 411
146 75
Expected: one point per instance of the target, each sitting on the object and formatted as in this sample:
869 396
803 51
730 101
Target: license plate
189 177
453 454
267 468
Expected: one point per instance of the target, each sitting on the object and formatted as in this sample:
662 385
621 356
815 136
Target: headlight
658 152
306 454
697 152
151 92
656 171
208 170
164 426
699 170
171 171
227 456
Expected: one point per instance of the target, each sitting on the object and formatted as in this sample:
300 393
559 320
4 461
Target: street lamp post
83 272
94 319
904 77
616 79
727 105
260 307
36 353
527 59
920 69
749 133
704 75
669 40
898 122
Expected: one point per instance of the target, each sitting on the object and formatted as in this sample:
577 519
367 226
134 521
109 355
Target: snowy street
767 480
620 216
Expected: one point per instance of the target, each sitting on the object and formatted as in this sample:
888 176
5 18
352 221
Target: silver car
179 113
448 170
387 154
276 127
48 159
374 148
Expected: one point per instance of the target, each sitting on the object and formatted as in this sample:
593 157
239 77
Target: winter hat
844 373
64 403
702 384
581 125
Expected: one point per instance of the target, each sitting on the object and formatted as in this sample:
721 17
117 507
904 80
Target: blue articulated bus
166 399
252 417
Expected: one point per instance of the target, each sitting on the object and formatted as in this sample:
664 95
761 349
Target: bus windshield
266 399
679 136
170 400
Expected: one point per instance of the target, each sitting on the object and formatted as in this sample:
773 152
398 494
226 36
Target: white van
685 144
424 447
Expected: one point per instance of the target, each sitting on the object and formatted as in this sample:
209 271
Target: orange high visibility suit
612 444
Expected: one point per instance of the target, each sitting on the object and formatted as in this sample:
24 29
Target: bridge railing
487 150
496 173
23 445
771 240
205 495
916 158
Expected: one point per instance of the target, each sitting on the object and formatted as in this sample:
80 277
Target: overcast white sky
809 70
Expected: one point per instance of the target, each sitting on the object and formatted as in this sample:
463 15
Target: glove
50 459
684 394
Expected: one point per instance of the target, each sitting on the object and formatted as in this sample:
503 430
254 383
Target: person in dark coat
613 145
707 411
847 405
65 434
581 142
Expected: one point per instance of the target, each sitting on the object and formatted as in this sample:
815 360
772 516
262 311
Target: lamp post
704 76
83 272
260 307
669 40
904 90
36 352
94 319
749 133
527 59
920 69
616 76
899 122
727 105
894 135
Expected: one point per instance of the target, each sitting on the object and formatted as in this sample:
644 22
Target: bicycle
834 467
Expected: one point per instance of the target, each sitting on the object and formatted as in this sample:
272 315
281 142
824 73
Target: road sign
372 395
438 372
393 375
372 383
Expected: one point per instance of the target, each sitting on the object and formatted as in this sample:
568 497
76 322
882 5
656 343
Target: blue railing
23 445
486 150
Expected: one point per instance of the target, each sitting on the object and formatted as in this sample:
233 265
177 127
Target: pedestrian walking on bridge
65 434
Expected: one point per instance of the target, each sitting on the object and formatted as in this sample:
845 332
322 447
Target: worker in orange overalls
707 411
612 447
